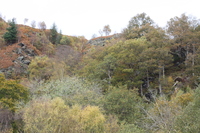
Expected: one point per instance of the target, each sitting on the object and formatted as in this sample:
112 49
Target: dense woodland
144 80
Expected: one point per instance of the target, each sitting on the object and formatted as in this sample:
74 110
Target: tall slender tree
53 33
59 37
11 36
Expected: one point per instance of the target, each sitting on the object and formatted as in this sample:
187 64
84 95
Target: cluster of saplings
104 90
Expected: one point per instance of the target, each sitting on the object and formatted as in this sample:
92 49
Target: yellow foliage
54 116
182 98
41 68
170 80
92 119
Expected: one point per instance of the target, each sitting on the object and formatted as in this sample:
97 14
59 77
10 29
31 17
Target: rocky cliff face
16 61
102 40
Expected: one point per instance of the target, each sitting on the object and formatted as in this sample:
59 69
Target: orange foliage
7 56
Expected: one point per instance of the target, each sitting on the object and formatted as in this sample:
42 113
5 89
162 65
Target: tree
25 20
59 37
11 92
101 32
65 40
106 30
108 66
157 59
101 65
182 30
138 26
94 36
119 63
33 24
140 20
11 36
53 34
123 103
42 25
129 71
161 115
40 68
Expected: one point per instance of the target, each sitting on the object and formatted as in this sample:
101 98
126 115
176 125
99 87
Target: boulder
18 51
20 58
27 62
21 44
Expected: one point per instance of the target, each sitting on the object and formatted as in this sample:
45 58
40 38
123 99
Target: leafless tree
25 20
107 30
33 24
101 32
42 25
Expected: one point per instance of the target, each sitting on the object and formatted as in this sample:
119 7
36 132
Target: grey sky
87 17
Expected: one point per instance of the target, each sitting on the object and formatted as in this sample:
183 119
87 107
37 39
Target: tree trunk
109 77
163 69
141 90
159 82
187 51
193 56
147 78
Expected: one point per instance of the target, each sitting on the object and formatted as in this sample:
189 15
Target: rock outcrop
102 39
23 56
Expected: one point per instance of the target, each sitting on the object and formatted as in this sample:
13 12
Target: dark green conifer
53 34
59 37
11 36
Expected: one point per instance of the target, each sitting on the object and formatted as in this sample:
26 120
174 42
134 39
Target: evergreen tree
11 36
53 34
59 37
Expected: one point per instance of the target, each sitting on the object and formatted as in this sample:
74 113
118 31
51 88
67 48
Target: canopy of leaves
11 93
54 116
71 89
188 121
107 30
138 26
40 68
123 103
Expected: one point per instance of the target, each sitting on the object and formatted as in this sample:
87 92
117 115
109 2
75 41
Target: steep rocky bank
15 59
102 39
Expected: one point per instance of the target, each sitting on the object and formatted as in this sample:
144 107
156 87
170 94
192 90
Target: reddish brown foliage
7 56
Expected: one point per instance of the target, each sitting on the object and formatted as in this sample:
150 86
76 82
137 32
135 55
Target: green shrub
11 93
188 121
123 103
71 89
131 128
